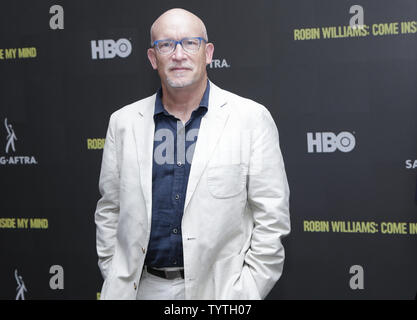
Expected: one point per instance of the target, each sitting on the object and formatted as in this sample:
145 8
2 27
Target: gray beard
179 83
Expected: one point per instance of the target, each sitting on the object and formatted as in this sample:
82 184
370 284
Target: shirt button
143 250
179 164
177 197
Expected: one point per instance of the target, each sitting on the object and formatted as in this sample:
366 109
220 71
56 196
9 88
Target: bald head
180 21
180 69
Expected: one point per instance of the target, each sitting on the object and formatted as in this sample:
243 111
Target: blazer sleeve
107 211
268 199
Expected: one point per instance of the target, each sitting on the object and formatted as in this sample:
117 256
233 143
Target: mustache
185 65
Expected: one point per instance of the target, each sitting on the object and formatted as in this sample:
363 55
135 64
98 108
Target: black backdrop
345 105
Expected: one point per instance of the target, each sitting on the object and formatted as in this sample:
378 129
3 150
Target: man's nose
179 52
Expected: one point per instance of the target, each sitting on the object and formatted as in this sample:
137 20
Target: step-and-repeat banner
339 77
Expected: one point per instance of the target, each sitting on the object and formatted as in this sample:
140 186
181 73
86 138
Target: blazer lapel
211 129
143 130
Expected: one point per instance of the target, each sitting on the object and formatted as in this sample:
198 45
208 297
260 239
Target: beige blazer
236 208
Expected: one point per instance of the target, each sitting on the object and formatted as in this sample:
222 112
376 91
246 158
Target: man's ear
152 58
209 52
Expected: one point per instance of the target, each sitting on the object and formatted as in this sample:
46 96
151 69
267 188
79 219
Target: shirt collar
159 107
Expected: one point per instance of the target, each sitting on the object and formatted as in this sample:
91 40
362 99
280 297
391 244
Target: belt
166 274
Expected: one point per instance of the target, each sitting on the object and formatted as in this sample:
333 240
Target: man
194 192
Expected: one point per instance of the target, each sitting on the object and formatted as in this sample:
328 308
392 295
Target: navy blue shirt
174 145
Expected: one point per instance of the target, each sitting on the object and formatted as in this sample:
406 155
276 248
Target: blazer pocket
233 280
226 181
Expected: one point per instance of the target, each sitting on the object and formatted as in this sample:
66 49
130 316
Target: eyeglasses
190 45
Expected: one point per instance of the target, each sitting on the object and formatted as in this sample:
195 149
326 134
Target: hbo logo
108 49
330 142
